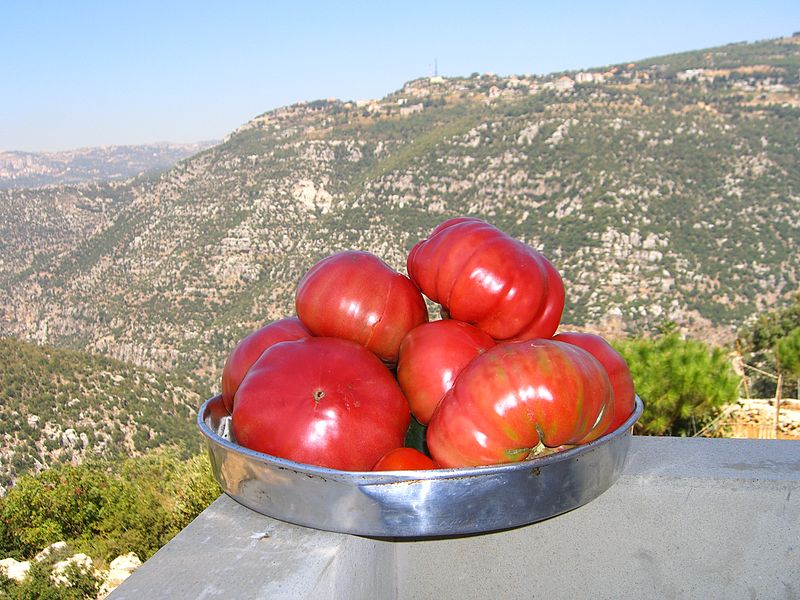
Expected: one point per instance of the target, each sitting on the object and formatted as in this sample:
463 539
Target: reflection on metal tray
443 502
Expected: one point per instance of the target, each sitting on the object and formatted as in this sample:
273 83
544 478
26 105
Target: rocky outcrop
118 570
83 563
15 569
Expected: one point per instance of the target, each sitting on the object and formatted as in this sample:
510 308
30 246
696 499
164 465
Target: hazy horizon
122 145
102 75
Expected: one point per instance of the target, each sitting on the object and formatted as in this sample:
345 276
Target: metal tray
413 504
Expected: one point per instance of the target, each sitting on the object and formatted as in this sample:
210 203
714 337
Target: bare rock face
69 438
119 570
54 548
14 569
83 562
311 197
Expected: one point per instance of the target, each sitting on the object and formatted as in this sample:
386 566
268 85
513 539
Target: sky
76 74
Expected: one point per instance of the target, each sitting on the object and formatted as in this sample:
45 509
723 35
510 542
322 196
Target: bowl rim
382 477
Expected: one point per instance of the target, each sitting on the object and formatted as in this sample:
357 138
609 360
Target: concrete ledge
689 518
232 552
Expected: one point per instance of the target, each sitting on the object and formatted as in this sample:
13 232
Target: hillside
666 190
41 224
35 169
58 406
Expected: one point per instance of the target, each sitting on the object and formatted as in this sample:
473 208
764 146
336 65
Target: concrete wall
689 518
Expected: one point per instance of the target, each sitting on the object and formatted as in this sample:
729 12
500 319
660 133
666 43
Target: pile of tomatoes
342 384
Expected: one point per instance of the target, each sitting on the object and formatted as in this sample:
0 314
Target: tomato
515 396
431 357
250 348
404 459
616 368
321 401
482 276
356 296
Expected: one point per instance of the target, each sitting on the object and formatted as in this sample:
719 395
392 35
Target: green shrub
773 336
683 383
106 508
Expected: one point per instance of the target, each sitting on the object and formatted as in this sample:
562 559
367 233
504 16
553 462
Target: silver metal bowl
411 504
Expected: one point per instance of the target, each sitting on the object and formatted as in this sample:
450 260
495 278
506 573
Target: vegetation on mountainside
780 54
665 189
58 406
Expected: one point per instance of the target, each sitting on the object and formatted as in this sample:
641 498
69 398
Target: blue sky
79 74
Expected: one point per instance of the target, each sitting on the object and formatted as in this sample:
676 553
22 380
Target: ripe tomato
616 368
516 395
404 459
482 276
250 348
431 357
356 296
321 401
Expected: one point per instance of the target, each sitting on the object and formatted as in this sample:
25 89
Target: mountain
664 190
43 223
59 405
34 169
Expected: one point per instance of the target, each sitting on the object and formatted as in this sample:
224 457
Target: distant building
563 84
690 74
585 77
413 108
369 106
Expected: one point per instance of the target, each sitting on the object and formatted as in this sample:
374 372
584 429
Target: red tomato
404 459
356 296
615 366
516 395
250 348
321 401
482 276
431 357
